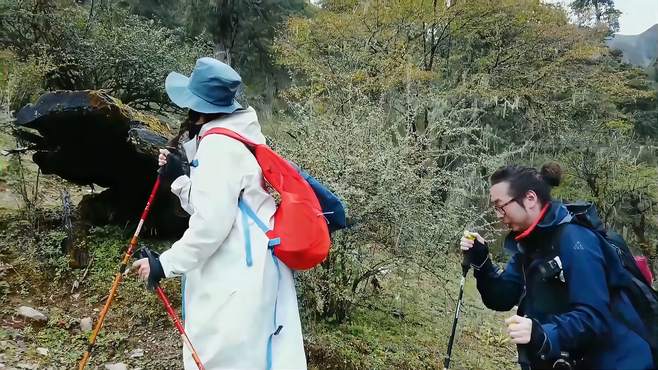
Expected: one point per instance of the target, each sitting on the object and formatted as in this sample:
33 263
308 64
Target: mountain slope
639 50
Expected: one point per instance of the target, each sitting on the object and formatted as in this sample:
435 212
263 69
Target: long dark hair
522 179
189 126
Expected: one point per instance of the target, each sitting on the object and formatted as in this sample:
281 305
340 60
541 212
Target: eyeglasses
501 208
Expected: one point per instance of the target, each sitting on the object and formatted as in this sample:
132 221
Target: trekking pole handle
466 259
466 264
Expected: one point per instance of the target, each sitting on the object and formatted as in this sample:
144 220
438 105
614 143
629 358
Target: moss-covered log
89 137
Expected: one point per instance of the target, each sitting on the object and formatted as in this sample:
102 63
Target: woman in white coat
240 308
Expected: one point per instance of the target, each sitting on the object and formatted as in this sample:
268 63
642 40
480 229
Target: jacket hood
243 122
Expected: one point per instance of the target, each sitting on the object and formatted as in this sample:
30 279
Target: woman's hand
142 268
162 158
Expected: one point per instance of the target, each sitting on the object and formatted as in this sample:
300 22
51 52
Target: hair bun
551 173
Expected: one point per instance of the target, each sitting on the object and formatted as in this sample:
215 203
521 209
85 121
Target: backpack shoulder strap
550 249
229 133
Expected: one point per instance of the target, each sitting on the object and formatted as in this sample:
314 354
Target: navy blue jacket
574 308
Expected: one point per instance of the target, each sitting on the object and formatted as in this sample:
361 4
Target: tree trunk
222 53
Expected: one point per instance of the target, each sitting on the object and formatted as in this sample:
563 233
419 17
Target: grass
6 141
408 326
135 319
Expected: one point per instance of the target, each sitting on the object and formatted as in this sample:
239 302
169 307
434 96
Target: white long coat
229 306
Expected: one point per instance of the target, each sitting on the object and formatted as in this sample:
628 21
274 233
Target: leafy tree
621 182
21 82
374 122
169 13
521 83
597 12
242 32
113 50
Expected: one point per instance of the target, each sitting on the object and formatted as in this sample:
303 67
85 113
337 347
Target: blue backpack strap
246 210
245 230
277 328
182 286
252 215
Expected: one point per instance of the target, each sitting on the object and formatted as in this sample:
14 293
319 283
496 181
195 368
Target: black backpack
641 294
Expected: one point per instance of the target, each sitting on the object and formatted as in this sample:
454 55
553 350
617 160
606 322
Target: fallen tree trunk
89 137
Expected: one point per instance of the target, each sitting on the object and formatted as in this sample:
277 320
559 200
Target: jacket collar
553 214
532 227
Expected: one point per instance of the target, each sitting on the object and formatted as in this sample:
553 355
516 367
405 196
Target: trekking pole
465 267
118 277
179 326
146 253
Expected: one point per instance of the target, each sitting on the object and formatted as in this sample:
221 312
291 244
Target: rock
117 366
138 352
76 296
398 314
72 132
42 351
31 313
24 365
86 324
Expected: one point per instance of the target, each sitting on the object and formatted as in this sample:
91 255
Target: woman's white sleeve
181 187
214 191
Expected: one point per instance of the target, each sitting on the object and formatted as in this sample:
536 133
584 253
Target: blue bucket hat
211 87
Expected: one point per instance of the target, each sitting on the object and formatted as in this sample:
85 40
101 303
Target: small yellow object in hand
469 235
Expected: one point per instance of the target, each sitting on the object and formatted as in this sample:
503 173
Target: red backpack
300 237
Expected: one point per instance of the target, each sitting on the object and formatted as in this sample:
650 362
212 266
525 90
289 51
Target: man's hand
475 248
468 240
519 329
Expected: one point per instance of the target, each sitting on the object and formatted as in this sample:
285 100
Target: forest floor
405 324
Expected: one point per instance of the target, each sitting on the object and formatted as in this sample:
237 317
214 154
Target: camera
551 269
564 362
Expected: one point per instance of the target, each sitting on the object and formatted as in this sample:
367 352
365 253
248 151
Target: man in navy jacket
558 277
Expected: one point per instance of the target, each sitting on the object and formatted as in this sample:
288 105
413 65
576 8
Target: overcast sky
637 15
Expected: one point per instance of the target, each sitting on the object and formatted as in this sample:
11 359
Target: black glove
478 254
156 272
538 339
174 168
